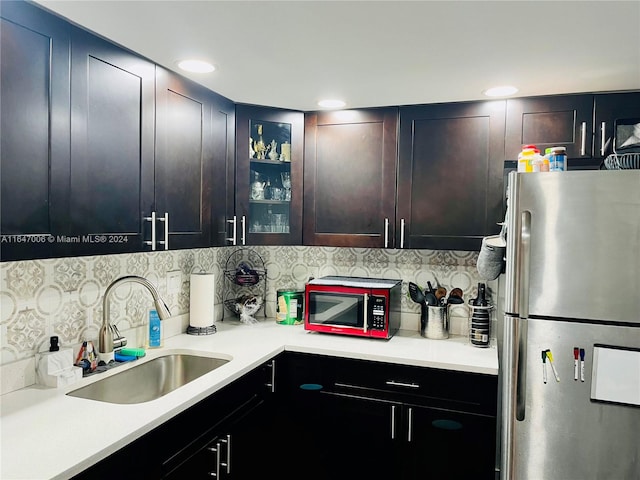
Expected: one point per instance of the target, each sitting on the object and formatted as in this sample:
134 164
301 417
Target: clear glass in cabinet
269 177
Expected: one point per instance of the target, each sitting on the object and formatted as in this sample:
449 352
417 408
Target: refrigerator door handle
525 264
521 323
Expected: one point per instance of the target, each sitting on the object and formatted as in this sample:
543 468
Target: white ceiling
290 54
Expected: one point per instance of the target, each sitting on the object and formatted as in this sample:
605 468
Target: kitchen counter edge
61 428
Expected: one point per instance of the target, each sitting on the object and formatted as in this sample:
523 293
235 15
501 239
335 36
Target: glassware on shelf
259 146
285 154
257 187
251 150
273 152
286 183
279 222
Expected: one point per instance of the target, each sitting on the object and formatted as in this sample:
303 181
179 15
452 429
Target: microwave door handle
366 312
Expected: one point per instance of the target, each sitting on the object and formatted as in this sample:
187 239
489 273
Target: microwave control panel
378 305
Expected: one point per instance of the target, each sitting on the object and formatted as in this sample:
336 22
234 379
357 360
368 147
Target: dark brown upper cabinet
268 186
613 111
450 174
112 145
191 155
34 87
350 177
555 121
224 160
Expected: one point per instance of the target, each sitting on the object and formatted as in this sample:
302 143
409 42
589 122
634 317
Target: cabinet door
223 183
448 444
350 178
559 121
621 110
238 448
450 175
112 130
363 437
268 180
186 114
34 87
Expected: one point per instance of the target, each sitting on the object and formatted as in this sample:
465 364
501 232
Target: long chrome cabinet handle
402 384
410 425
244 230
165 219
393 422
583 140
272 385
603 138
216 450
402 233
227 464
152 242
233 238
386 233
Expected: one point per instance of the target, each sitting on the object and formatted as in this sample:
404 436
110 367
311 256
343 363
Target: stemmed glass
286 183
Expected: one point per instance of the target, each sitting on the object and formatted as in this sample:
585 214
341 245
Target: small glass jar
558 159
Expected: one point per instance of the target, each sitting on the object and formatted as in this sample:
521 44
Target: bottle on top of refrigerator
539 163
525 158
547 156
558 159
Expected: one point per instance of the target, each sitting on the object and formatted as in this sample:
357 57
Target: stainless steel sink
150 380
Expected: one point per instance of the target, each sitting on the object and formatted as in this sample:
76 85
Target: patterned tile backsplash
63 297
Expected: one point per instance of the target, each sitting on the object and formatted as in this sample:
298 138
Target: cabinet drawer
452 445
463 391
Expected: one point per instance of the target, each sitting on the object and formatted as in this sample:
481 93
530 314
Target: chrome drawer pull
393 383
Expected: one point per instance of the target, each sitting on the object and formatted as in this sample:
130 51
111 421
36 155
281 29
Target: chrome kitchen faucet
105 337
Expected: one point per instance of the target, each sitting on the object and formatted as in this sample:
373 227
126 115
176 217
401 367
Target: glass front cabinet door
269 149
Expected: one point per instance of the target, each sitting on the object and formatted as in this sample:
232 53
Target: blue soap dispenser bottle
154 336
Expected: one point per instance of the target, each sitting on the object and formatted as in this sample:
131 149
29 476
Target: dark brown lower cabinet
325 418
233 450
362 419
182 448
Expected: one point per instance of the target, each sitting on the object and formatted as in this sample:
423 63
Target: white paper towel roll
201 300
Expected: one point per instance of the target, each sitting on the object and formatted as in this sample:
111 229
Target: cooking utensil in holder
480 325
434 322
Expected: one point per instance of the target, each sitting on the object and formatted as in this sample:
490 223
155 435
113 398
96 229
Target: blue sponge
118 357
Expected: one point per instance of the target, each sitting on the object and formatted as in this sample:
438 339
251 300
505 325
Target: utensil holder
480 325
434 322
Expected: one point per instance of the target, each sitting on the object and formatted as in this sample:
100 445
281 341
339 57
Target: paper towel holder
210 330
201 329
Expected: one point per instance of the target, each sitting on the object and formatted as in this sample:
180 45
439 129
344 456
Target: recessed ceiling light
196 66
502 91
331 103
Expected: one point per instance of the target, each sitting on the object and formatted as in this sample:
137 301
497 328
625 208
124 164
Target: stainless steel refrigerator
572 295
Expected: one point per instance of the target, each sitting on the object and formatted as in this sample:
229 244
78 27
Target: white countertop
46 434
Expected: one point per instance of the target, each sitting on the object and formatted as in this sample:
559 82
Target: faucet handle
118 340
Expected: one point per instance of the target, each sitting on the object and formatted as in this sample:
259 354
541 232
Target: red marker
576 355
